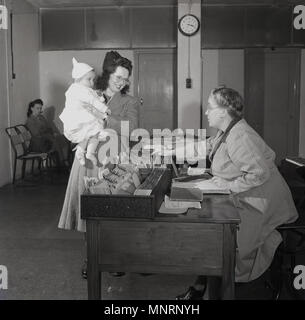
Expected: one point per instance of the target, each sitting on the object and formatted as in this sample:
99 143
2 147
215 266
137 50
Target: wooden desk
202 242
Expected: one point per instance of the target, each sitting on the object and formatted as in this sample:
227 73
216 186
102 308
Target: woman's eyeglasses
119 80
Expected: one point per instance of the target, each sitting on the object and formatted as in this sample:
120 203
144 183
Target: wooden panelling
228 26
299 37
222 26
268 25
154 27
62 29
158 247
98 3
108 28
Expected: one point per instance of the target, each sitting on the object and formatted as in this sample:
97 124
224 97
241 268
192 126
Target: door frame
294 109
137 53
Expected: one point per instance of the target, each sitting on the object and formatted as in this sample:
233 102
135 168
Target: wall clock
188 24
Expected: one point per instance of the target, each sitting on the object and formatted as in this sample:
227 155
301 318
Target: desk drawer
161 247
126 205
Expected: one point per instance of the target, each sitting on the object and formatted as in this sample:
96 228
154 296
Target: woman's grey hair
229 99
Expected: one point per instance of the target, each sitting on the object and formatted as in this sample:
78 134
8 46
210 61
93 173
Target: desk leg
229 253
93 272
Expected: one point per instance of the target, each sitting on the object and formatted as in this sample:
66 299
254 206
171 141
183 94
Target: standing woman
243 163
113 84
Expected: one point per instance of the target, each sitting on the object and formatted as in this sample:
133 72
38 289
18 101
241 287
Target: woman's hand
221 183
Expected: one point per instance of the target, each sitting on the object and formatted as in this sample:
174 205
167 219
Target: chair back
25 135
16 140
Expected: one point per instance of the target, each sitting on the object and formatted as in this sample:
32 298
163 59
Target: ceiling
119 3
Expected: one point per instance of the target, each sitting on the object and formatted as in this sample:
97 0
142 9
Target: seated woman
44 138
243 163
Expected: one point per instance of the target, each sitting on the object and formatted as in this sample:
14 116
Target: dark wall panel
62 29
268 26
108 28
222 27
238 26
154 27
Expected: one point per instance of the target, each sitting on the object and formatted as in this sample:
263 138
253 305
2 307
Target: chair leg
39 165
301 203
32 171
14 173
281 279
23 168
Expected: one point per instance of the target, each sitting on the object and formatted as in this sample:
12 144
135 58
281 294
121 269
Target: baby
84 113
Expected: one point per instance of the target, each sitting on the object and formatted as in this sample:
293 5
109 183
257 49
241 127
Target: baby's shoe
92 157
80 156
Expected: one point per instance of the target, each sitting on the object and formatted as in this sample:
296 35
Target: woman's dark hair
111 62
229 99
32 104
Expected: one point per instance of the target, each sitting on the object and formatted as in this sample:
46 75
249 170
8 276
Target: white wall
55 74
302 108
4 103
231 69
221 67
26 64
189 51
16 93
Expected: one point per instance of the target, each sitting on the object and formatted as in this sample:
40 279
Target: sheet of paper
163 209
205 185
180 204
195 171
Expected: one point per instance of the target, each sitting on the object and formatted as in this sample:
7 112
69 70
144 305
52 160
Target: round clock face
189 24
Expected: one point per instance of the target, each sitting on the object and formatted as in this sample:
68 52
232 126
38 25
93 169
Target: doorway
155 85
272 107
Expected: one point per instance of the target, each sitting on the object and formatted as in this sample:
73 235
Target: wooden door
272 85
155 83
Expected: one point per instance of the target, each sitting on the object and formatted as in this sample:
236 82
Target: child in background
84 113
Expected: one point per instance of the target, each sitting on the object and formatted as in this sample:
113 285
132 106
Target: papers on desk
206 186
195 171
177 207
186 194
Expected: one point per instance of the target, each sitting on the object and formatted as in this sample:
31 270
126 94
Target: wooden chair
20 138
293 235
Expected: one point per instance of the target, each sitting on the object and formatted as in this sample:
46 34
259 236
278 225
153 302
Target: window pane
108 28
222 27
62 29
268 26
299 37
154 27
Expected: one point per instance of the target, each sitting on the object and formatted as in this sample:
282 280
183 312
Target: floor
44 262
